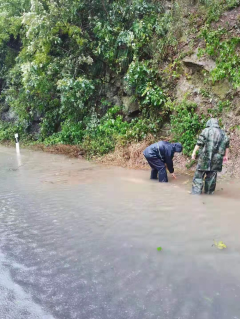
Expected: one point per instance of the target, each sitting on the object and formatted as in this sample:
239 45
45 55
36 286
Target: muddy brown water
79 240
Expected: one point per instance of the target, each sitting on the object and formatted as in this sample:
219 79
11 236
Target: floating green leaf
159 248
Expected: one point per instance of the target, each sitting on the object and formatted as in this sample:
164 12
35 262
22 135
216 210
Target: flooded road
78 240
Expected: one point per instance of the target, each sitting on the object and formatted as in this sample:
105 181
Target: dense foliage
56 57
185 124
59 60
225 52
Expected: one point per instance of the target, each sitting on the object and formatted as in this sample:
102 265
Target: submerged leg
210 182
197 184
162 173
154 164
154 173
158 167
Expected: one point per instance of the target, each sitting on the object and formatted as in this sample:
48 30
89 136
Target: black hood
177 147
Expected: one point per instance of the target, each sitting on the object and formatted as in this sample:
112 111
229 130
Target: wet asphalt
79 240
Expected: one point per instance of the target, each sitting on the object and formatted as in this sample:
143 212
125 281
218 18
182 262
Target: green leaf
159 248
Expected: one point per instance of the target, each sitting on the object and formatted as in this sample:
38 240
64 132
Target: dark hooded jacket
163 151
213 143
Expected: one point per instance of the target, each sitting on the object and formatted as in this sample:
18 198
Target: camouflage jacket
213 143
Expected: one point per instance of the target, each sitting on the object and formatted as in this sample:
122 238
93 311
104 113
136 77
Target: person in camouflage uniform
214 148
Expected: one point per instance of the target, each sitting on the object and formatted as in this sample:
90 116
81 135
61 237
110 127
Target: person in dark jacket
159 156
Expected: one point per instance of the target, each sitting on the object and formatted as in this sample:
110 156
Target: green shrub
101 136
142 81
71 133
7 131
186 125
216 7
57 66
224 51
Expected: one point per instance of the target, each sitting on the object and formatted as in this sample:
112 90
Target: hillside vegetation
101 73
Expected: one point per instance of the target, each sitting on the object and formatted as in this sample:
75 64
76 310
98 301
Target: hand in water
174 176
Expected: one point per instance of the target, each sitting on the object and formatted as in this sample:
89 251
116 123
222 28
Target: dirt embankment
68 150
131 156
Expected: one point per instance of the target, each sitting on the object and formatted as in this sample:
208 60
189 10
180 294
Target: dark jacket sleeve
169 163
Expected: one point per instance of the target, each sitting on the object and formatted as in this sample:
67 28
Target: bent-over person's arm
169 163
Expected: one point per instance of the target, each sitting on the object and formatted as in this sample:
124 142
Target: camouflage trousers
210 182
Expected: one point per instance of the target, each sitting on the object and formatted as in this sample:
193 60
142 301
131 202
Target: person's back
213 144
160 154
160 150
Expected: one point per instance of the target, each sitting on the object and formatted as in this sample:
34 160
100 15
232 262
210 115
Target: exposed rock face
9 116
183 87
199 62
236 104
230 21
221 89
34 129
110 91
165 130
129 105
192 83
116 94
116 100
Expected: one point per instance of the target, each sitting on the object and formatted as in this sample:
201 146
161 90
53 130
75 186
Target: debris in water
159 248
219 245
208 299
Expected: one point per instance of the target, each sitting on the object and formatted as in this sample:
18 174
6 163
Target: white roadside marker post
17 143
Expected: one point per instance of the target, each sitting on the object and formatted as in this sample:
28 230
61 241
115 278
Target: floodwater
79 240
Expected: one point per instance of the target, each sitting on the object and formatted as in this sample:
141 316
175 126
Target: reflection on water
80 241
